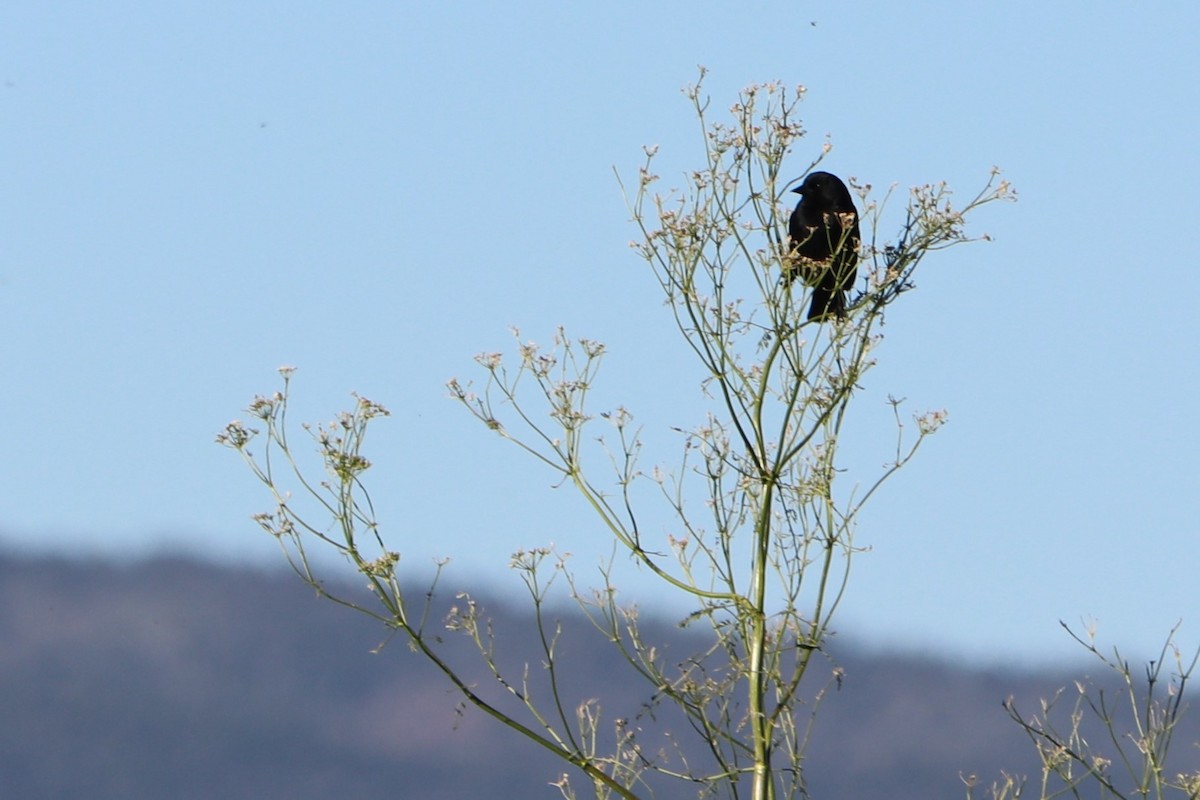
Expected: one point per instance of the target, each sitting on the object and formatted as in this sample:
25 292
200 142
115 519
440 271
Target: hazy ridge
182 679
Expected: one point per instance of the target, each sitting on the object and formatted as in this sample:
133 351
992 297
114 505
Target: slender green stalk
766 561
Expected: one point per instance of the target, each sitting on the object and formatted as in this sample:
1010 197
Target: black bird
823 242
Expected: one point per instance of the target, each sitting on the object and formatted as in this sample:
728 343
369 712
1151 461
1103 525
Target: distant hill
172 678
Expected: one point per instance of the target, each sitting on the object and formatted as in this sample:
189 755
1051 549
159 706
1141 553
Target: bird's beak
799 190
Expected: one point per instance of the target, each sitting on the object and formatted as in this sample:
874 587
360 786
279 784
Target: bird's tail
826 303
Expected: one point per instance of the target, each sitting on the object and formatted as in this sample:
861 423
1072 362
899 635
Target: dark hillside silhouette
174 678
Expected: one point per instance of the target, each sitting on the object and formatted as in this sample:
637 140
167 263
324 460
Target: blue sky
193 194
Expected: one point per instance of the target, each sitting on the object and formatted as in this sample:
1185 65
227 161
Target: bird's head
826 189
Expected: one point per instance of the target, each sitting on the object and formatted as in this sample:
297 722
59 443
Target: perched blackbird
823 242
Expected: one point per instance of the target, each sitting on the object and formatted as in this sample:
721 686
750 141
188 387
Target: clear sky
195 193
